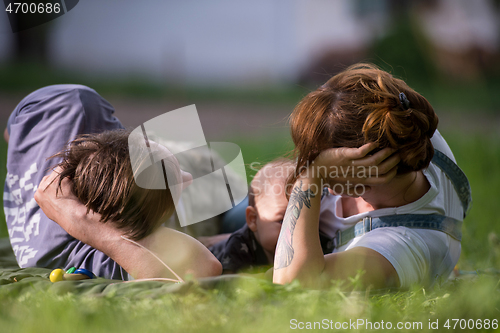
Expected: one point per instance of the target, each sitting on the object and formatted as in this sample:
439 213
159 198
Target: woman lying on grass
93 193
398 222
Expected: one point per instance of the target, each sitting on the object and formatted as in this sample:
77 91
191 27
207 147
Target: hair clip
405 103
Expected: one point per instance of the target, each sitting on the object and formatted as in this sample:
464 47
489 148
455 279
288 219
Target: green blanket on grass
16 281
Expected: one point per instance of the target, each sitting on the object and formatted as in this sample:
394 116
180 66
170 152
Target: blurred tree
30 27
405 51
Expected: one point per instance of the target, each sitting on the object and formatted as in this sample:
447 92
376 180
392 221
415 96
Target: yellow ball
56 275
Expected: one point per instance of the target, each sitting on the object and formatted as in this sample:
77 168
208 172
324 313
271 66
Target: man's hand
53 201
63 207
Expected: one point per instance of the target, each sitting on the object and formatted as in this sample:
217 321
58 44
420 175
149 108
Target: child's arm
182 253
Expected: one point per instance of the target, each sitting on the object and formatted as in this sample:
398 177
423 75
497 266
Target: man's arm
182 253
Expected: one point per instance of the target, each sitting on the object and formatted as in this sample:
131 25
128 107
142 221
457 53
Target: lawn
259 306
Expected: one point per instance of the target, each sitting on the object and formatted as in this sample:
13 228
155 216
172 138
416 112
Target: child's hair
273 174
360 105
103 180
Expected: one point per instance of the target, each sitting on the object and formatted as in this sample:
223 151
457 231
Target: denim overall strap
456 176
442 223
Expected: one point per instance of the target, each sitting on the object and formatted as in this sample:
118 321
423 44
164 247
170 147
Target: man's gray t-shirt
39 127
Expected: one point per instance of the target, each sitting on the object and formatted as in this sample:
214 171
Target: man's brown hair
103 180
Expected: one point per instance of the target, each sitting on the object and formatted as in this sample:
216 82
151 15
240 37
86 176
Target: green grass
260 306
254 306
260 150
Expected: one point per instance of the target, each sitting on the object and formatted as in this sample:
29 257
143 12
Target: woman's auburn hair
360 105
103 180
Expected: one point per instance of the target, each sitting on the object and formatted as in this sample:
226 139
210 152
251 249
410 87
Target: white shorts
419 256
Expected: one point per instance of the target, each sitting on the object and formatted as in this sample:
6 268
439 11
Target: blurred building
209 42
244 42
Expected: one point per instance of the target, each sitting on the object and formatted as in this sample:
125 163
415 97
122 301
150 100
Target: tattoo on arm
284 251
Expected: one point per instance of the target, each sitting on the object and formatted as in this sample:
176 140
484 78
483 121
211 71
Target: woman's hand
355 166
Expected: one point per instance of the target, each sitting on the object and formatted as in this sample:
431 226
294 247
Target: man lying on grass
97 199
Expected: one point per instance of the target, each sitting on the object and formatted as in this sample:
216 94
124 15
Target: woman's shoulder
439 143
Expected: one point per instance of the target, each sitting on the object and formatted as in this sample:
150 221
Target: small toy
71 274
56 275
71 270
83 271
